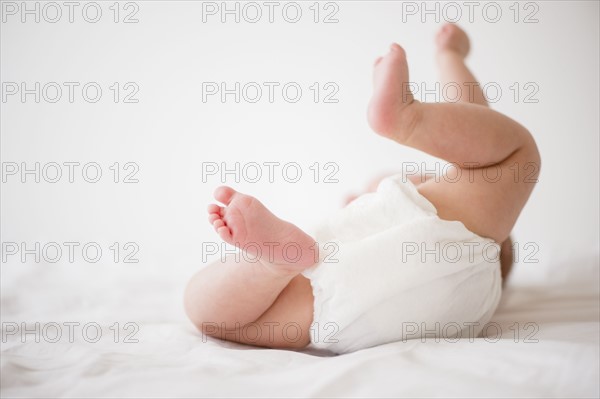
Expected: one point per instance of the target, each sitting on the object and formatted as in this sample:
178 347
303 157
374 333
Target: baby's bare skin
232 300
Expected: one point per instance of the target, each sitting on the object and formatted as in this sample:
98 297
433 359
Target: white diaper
392 270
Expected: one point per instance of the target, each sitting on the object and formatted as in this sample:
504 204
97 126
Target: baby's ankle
448 56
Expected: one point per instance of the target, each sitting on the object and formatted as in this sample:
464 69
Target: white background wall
171 132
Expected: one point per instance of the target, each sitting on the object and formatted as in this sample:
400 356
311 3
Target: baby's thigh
286 324
487 200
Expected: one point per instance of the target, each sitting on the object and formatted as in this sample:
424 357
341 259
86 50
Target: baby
373 294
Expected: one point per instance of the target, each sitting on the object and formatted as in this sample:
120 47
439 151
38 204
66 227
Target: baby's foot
453 39
247 224
391 94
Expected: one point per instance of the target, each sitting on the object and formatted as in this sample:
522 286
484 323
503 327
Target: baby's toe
218 223
214 208
224 194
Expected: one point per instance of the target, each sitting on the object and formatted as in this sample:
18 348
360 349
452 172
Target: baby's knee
531 155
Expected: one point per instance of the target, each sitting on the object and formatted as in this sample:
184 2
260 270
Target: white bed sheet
171 359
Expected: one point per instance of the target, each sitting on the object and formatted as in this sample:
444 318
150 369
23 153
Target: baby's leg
480 141
264 302
452 48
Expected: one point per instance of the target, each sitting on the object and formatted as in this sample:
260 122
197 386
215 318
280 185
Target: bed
542 342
